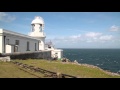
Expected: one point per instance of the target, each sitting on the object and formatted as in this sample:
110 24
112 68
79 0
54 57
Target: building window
15 48
40 27
49 46
38 45
7 41
33 27
28 46
16 42
35 47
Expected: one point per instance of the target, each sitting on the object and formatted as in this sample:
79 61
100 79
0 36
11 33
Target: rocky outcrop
5 59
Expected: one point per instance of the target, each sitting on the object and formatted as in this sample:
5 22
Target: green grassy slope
10 70
81 71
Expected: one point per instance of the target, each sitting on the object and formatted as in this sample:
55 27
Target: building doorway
15 48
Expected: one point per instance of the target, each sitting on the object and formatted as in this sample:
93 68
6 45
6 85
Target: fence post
59 75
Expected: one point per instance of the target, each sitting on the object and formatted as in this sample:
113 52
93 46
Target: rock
59 75
5 59
76 62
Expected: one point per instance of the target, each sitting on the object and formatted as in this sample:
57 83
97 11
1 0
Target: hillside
10 70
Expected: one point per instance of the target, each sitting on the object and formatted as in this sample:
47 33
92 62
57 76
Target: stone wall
29 55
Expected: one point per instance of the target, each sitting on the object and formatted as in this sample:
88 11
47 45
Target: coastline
91 66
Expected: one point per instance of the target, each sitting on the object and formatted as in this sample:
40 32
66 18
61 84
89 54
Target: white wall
59 53
1 44
37 28
42 44
22 47
9 49
1 41
41 37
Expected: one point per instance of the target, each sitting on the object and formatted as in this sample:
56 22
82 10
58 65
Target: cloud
75 36
87 40
114 28
4 17
90 37
106 37
97 37
92 34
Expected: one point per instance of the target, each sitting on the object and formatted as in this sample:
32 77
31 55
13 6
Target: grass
10 70
80 71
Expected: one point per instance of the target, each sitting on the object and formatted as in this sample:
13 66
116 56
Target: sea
106 59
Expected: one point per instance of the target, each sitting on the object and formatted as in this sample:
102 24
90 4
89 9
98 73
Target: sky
69 29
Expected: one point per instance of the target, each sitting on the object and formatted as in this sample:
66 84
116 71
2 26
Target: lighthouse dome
38 20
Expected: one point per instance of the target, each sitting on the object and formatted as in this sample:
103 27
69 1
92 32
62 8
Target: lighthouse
37 31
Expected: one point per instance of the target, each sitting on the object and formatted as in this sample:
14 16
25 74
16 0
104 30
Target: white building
11 42
55 53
